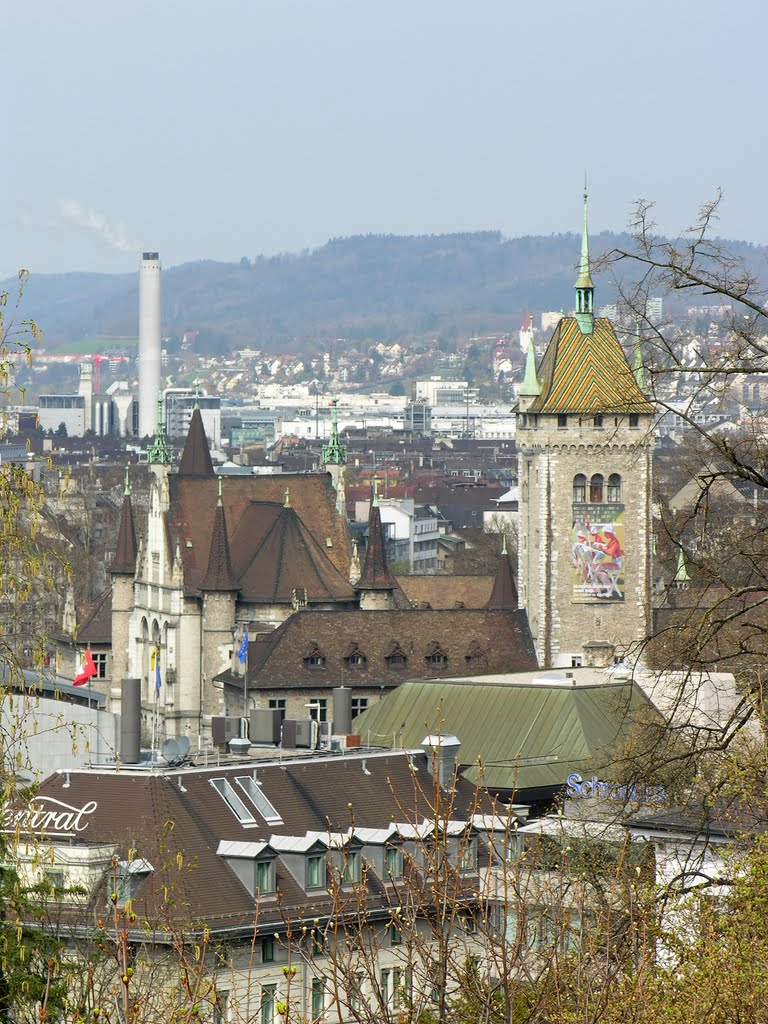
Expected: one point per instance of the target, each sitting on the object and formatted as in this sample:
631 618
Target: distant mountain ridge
371 287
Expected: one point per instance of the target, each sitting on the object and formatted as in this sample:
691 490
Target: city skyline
273 127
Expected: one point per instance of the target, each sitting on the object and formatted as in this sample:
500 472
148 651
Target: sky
240 127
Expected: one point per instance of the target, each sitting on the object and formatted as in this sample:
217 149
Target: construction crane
97 360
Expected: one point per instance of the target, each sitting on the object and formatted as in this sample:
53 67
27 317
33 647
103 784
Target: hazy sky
236 127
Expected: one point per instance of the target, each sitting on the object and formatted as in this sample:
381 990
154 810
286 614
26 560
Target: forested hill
378 287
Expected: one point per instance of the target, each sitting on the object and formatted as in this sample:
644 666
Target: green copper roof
160 453
334 453
514 736
531 384
681 574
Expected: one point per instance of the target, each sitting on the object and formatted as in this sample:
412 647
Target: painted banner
597 552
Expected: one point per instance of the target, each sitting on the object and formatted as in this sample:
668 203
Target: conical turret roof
376 574
196 457
504 593
124 562
219 575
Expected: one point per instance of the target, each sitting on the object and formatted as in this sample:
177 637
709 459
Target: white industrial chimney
149 342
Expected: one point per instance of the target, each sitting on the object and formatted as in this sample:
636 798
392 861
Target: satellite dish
170 750
183 742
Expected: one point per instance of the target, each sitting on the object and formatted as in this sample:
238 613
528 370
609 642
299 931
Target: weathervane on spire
585 289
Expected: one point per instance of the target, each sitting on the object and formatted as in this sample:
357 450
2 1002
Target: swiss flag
87 669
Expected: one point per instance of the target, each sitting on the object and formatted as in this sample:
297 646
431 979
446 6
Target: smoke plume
70 211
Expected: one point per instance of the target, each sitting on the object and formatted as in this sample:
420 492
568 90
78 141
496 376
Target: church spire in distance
585 289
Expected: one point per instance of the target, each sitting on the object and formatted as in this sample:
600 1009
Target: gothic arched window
614 487
596 487
579 487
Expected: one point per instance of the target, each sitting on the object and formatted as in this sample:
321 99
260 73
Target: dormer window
396 657
314 657
265 877
394 862
468 854
315 871
475 657
436 656
127 878
354 658
352 867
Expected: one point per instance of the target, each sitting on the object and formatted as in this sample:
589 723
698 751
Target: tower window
596 487
562 419
598 420
634 419
579 487
614 487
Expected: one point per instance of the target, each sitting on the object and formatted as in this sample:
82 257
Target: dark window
278 704
315 661
614 487
562 419
596 487
100 661
268 949
359 705
395 938
634 419
579 487
318 709
265 876
598 420
315 871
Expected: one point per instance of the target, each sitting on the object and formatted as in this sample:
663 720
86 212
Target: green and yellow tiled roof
587 373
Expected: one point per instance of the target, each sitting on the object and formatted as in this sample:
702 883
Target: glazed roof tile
587 373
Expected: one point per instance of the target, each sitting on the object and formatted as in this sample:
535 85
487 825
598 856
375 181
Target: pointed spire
376 574
585 289
196 457
160 453
334 453
219 575
504 593
124 562
127 487
530 386
682 577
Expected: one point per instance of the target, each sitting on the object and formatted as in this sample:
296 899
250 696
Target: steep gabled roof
196 457
96 627
124 562
587 373
251 505
277 659
504 593
287 558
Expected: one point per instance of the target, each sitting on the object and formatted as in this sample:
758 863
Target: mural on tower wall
597 552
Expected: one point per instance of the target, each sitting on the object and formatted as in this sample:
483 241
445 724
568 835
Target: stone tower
585 441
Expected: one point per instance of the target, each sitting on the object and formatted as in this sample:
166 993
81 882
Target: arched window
614 487
579 487
596 487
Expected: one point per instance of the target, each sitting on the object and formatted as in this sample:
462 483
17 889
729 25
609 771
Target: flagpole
90 722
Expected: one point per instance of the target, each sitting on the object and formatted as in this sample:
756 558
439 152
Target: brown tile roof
504 593
175 821
447 591
376 574
193 505
219 575
472 640
196 457
286 558
96 627
124 561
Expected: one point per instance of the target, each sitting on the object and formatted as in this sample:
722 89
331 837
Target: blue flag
156 661
242 652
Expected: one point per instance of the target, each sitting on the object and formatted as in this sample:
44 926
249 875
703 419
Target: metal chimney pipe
130 721
342 710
